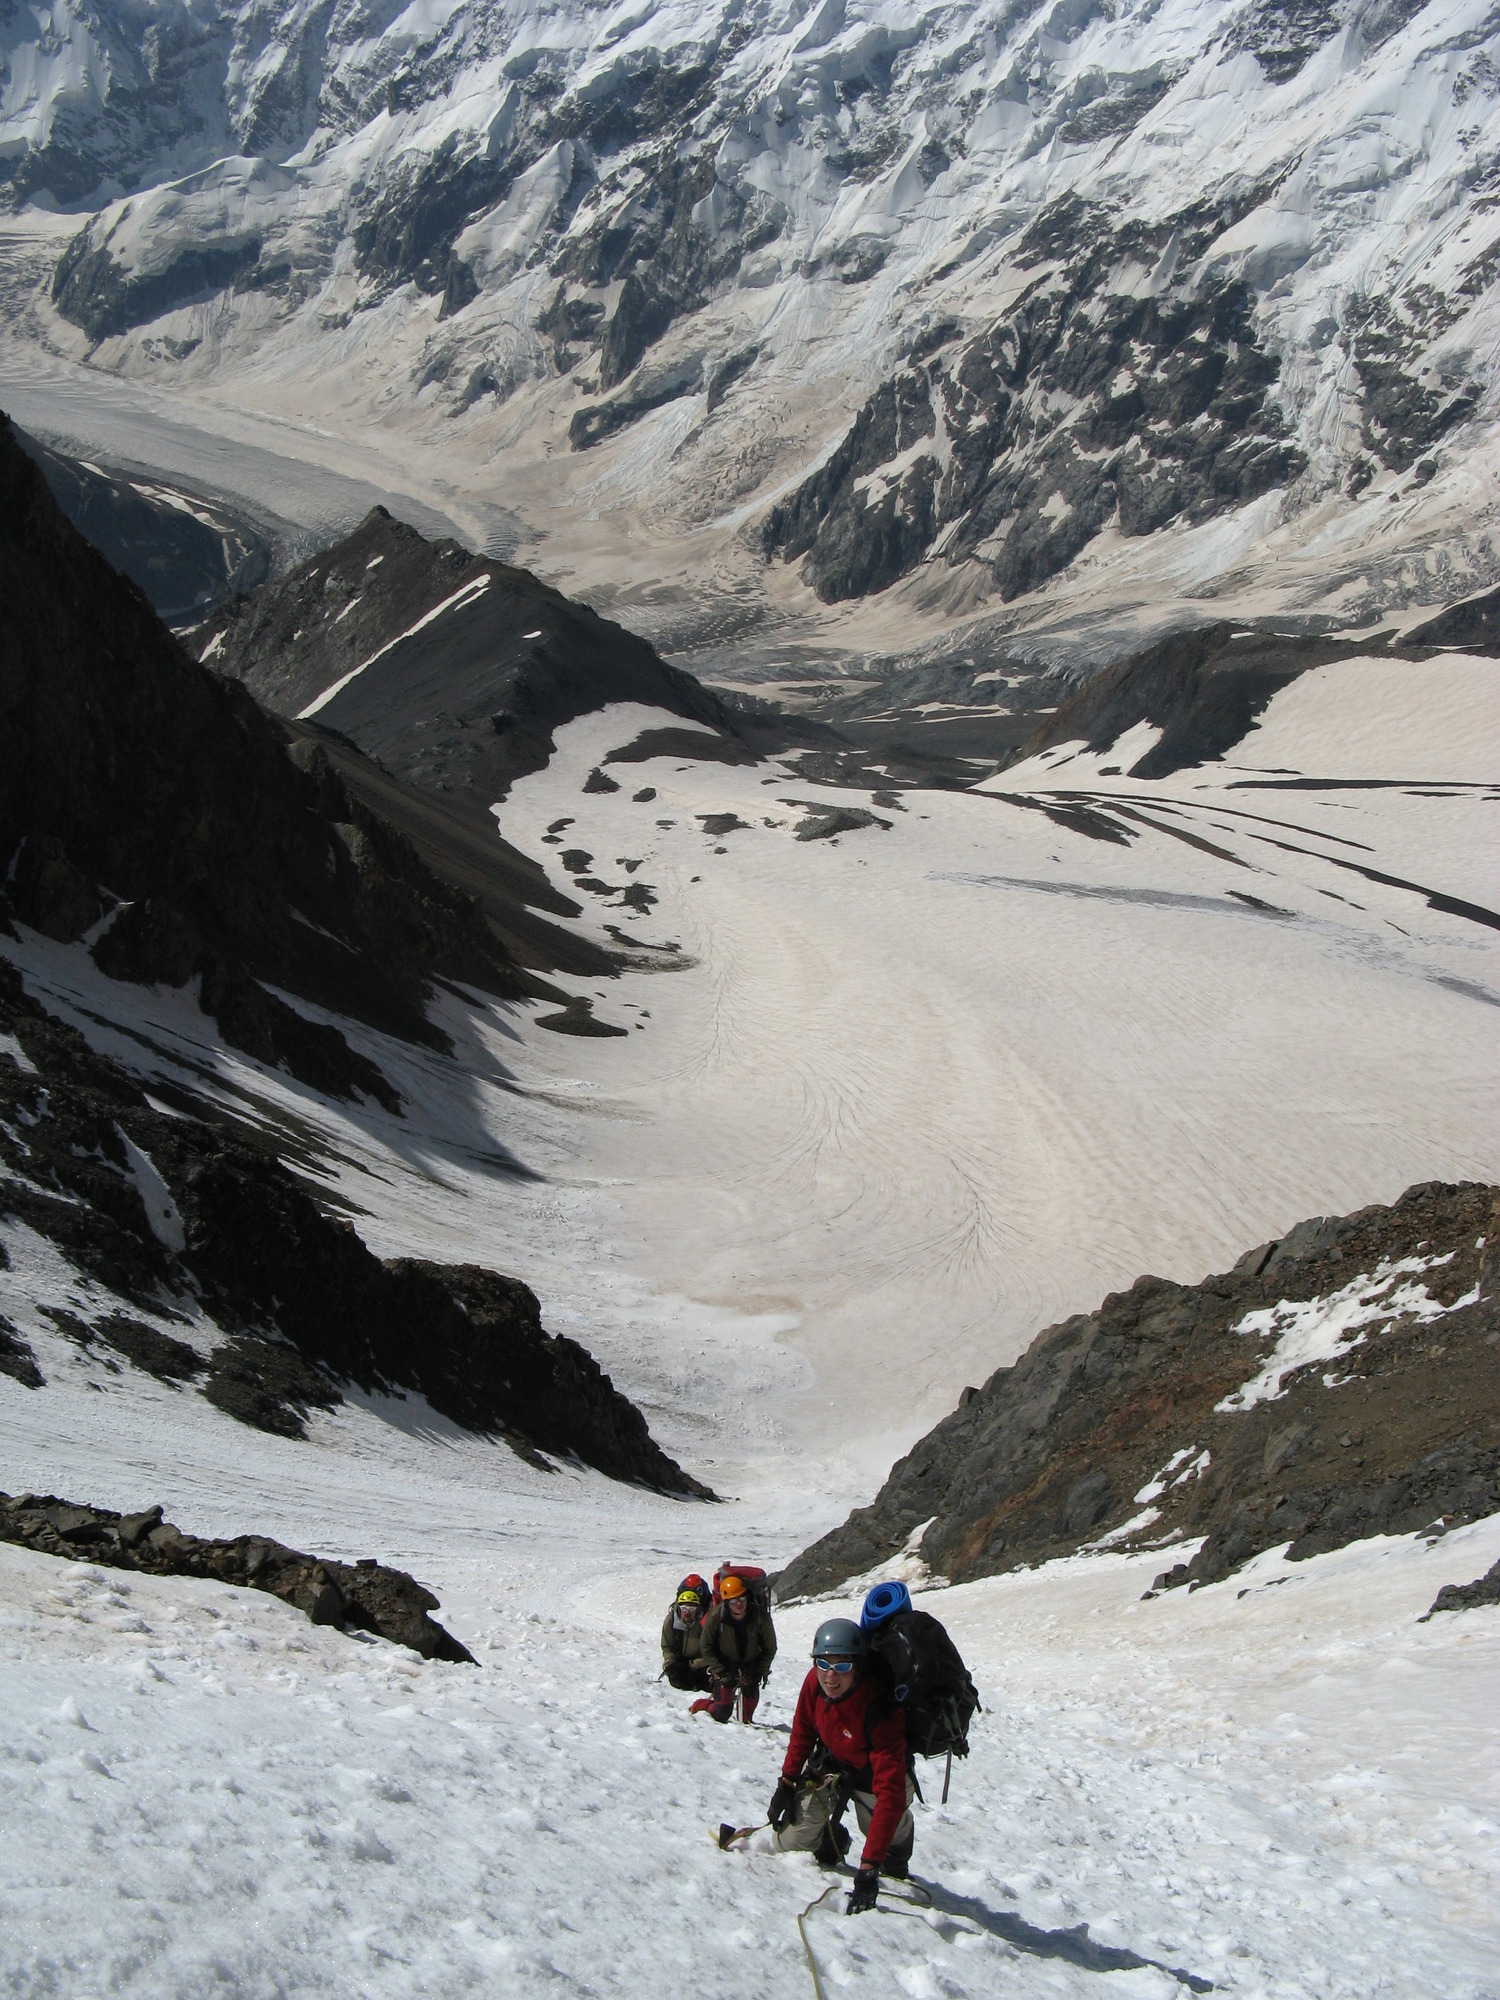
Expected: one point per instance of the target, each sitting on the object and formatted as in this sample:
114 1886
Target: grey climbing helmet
839 1639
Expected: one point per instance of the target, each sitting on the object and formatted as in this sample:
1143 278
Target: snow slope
907 1096
1286 1792
416 232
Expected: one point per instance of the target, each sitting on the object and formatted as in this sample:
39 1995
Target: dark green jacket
735 1651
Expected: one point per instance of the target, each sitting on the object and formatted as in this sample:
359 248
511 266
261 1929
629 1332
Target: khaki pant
810 1817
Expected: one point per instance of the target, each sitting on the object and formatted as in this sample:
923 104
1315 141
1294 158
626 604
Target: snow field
929 1089
1286 1790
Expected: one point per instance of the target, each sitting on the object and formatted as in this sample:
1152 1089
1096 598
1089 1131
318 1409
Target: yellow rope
925 1903
812 1964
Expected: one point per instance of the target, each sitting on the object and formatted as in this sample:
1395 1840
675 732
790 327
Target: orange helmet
732 1586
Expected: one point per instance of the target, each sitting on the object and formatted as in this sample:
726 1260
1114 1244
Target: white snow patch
9 1046
1320 1329
156 1196
1127 1528
1157 1485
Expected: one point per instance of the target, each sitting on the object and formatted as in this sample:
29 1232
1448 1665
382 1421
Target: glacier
788 333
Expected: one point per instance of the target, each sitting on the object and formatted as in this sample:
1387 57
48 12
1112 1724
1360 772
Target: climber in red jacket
848 1741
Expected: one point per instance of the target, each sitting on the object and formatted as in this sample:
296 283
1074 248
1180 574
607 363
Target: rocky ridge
1098 398
1340 1383
363 1596
202 1260
151 806
448 668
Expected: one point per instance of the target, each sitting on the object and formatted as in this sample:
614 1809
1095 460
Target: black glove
783 1799
866 1889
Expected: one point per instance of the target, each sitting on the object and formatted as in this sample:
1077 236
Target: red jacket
872 1749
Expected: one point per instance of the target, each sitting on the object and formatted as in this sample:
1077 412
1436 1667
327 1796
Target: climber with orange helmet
739 1644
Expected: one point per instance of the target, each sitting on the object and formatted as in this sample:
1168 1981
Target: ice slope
360 221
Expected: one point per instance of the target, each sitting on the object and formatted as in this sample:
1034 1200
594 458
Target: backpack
929 1680
757 1583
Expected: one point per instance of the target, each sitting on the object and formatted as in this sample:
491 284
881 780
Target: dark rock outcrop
363 1596
135 781
1467 1596
1084 405
444 642
16 1358
1202 688
186 552
1473 626
296 1306
639 320
97 293
1132 1414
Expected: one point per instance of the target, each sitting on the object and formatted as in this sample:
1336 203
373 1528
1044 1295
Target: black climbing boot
833 1845
898 1861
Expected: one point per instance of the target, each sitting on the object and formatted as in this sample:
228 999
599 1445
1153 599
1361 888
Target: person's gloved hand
866 1889
783 1799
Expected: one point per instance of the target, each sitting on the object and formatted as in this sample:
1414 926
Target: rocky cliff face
274 1306
1343 1382
151 804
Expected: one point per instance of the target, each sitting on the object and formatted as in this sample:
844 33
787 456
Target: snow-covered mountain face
857 325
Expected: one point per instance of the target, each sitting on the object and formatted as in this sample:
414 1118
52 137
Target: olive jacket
738 1650
682 1642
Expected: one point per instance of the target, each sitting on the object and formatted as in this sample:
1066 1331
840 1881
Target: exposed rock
825 822
1473 625
639 320
103 297
1467 1596
1134 1422
1405 415
444 640
727 373
188 553
16 1358
459 289
130 772
599 781
361 1597
1086 403
1203 689
578 1018
296 1303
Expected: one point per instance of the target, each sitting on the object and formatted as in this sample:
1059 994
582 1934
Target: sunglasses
834 1666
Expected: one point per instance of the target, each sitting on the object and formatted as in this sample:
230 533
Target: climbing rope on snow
918 1898
802 1917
